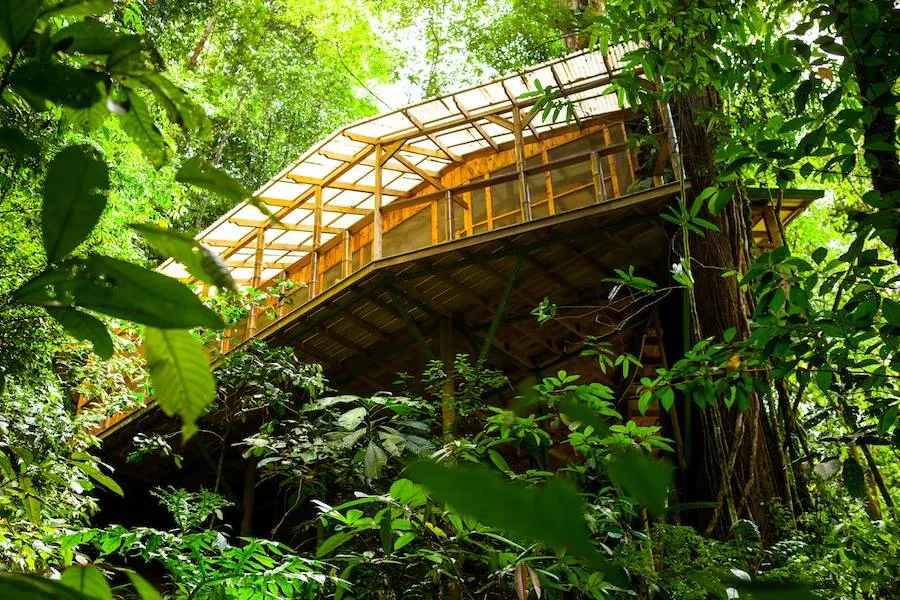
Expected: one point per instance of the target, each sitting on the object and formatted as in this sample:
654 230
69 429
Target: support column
316 243
524 199
377 225
257 274
346 259
448 357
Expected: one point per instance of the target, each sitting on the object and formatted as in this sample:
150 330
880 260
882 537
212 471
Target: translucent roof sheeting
423 141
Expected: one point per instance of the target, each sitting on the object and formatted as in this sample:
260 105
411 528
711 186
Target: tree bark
201 43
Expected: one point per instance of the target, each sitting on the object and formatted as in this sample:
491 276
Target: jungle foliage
129 125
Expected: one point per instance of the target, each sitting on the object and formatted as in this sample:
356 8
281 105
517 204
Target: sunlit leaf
17 18
196 258
32 587
83 326
179 369
74 198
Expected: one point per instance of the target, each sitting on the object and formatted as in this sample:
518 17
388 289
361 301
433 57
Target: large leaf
138 124
91 36
202 174
74 198
180 109
17 18
89 581
374 460
644 479
77 8
333 543
83 326
179 369
553 514
14 142
62 84
31 587
119 289
196 258
854 478
143 588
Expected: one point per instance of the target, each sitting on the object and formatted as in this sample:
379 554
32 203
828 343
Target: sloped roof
432 135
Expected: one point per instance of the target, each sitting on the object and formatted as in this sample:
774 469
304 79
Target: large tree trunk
736 456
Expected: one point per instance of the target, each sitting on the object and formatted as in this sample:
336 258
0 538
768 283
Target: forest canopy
668 371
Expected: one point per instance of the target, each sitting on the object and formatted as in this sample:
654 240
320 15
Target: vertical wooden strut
377 216
346 264
316 243
524 199
257 274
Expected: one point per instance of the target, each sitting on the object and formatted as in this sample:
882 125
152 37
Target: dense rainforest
128 126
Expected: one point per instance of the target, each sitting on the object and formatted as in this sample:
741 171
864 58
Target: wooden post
448 358
548 183
450 227
377 216
524 200
346 259
772 229
316 243
257 275
599 184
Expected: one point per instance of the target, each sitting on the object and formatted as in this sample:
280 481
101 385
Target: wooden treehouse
437 228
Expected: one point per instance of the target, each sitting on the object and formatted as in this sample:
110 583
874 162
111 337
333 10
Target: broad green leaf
775 591
333 543
890 310
553 514
120 289
201 174
30 587
91 36
406 492
14 142
854 478
83 326
351 419
138 124
17 18
196 258
89 581
77 8
179 370
404 540
61 84
644 479
179 107
100 477
74 198
374 460
143 588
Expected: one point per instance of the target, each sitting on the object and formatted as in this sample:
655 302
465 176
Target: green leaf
179 369
351 419
14 141
333 543
87 580
74 199
61 84
374 460
202 174
31 587
120 289
384 532
143 588
17 18
78 8
406 492
644 479
890 310
91 36
180 109
552 514
138 124
83 326
854 478
196 258
100 477
774 591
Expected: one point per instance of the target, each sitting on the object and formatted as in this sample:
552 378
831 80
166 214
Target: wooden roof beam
390 165
364 139
348 210
272 246
351 187
559 84
282 225
481 131
435 181
280 265
434 139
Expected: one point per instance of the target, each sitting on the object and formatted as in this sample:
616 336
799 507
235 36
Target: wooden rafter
412 149
524 119
559 84
498 120
389 165
270 246
434 139
481 131
435 181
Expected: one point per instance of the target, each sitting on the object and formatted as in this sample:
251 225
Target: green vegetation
128 126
